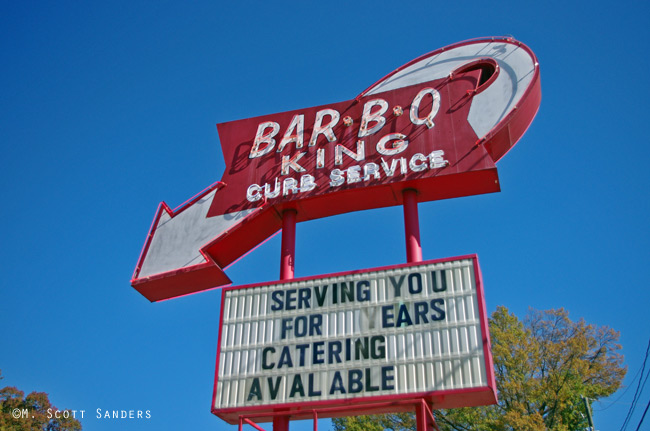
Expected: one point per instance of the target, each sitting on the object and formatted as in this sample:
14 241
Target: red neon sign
436 125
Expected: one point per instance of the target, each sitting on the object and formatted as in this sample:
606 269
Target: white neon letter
339 150
418 162
289 185
400 144
327 129
307 183
254 193
354 174
371 170
298 123
376 117
403 166
276 191
436 160
337 178
415 107
320 158
292 162
389 170
262 138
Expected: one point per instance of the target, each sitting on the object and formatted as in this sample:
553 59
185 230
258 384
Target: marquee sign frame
452 286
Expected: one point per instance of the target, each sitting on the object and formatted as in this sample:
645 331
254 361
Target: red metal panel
182 282
452 135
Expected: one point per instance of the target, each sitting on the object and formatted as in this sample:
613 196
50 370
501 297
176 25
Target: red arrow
437 124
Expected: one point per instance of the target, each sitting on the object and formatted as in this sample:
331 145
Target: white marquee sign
412 330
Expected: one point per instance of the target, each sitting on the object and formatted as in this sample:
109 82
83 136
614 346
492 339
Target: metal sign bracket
423 415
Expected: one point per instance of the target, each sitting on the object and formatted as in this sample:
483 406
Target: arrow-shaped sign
437 125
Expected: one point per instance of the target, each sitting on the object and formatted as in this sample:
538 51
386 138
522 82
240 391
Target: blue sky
109 108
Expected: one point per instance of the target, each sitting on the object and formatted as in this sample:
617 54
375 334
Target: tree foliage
40 412
395 422
543 365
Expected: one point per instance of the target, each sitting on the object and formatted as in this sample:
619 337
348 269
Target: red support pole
420 418
281 423
288 251
424 418
412 226
287 265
